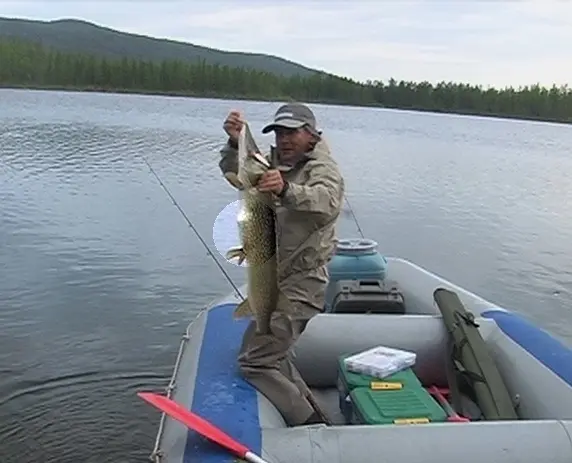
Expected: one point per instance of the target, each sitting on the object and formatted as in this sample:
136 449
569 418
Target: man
309 189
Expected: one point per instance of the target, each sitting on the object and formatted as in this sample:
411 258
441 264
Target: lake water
100 274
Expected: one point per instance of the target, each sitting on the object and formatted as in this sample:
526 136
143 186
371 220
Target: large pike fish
256 224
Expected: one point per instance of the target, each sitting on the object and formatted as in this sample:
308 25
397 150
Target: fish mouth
260 159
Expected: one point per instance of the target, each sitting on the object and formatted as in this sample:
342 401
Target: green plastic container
405 406
348 381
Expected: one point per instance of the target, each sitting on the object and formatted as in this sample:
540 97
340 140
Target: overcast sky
487 42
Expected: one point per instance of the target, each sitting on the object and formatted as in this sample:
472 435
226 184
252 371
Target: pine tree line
30 65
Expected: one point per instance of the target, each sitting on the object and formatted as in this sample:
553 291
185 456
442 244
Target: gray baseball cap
292 116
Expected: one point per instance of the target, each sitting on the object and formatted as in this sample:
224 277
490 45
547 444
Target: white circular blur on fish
225 231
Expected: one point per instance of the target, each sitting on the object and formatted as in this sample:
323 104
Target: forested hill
31 65
70 35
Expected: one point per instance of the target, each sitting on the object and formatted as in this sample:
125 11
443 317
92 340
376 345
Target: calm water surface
100 274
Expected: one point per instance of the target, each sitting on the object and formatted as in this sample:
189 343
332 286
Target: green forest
30 65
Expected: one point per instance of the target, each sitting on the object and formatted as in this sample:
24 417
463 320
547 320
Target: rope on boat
157 453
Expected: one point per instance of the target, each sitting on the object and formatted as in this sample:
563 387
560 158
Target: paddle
200 425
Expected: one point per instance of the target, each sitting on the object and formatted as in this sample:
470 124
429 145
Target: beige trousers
265 362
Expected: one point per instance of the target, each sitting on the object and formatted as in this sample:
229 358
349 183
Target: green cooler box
348 381
410 405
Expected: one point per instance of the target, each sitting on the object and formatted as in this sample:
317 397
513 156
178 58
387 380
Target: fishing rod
190 224
354 217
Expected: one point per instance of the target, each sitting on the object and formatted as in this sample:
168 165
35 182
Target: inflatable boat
507 383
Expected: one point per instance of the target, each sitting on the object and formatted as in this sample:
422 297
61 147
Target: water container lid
356 246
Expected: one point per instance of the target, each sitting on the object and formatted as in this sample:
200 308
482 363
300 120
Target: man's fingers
270 181
233 121
266 183
235 118
269 184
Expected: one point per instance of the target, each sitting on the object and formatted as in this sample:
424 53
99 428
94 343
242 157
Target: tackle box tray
351 380
409 405
348 381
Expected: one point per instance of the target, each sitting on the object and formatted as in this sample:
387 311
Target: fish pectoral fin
232 178
236 253
242 310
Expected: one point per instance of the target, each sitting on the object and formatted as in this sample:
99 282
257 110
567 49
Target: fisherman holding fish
307 189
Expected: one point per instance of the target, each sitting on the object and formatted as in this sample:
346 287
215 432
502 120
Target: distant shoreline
218 96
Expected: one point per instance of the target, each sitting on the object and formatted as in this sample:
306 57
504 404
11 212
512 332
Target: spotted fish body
256 223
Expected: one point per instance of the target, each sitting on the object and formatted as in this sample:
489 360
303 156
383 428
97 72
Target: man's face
292 143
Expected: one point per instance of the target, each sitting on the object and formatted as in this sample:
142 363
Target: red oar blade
195 422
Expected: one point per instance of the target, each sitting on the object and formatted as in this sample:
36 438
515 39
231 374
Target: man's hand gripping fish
257 234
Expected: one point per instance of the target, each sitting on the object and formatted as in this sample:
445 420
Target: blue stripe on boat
221 396
549 351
